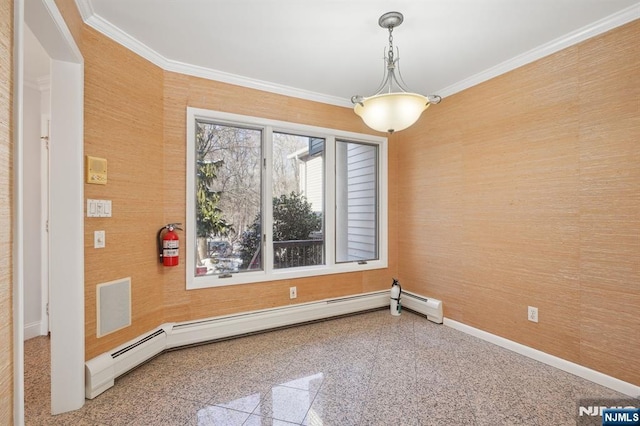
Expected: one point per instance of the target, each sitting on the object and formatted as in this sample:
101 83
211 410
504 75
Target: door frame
45 119
66 210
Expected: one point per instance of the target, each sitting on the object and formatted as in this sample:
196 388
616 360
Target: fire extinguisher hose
396 282
160 243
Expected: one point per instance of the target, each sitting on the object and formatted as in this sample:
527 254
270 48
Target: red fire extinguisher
169 244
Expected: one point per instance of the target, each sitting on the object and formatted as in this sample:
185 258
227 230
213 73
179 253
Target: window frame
268 273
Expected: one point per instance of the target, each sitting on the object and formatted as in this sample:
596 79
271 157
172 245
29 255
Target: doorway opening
64 263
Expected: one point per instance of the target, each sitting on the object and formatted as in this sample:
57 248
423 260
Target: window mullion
330 200
383 201
267 199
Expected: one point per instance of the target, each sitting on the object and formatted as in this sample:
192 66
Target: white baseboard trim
32 330
562 364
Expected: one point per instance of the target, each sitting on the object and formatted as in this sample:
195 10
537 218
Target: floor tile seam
99 422
296 388
521 412
211 403
263 417
253 413
235 409
137 386
520 393
259 404
186 416
358 414
513 388
311 404
291 358
415 377
96 422
167 395
157 397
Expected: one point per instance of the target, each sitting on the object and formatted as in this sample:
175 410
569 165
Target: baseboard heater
431 308
101 371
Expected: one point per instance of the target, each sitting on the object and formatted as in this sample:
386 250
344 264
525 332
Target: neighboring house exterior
356 219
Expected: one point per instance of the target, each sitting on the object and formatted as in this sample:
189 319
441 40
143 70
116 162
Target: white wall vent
113 306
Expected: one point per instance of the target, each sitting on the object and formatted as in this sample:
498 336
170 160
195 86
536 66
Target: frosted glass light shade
391 112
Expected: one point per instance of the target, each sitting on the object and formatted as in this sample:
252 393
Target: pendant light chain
391 60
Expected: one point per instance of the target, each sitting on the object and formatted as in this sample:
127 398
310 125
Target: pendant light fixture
392 108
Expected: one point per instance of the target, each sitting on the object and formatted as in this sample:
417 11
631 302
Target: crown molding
99 24
596 28
196 71
116 34
121 37
85 9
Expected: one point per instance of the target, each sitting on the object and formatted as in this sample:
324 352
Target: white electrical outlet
532 313
293 292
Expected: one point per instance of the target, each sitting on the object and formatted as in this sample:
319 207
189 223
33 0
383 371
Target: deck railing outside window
289 254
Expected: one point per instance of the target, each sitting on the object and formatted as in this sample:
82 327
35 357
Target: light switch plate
98 208
91 208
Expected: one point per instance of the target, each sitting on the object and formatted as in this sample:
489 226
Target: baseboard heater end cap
429 307
435 306
437 320
99 375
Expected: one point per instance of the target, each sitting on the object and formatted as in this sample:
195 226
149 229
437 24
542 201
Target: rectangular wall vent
113 306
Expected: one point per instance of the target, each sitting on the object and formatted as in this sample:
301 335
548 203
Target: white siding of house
314 183
357 204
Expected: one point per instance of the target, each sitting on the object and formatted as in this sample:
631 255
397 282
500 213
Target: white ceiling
329 50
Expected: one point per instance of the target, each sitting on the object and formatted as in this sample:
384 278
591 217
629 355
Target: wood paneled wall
135 117
525 191
6 206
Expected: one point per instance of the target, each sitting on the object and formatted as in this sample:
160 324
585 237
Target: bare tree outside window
230 195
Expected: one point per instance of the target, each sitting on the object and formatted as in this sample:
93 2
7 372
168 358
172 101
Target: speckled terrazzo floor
367 369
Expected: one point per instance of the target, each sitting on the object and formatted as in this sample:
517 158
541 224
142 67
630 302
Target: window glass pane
298 201
356 202
228 199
